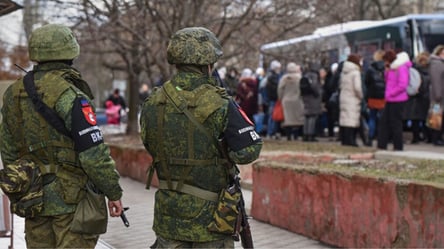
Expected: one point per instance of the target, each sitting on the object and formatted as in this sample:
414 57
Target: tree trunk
133 104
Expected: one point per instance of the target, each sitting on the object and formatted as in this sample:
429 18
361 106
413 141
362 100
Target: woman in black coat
375 95
417 106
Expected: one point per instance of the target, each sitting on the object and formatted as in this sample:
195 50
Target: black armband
84 129
240 131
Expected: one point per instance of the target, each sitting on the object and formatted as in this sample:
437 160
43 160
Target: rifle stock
244 232
242 228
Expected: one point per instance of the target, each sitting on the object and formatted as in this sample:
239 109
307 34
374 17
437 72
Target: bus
411 33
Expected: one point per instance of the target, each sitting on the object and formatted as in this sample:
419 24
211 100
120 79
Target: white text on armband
96 136
243 130
92 128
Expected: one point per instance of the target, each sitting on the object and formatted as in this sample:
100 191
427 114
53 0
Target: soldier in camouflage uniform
72 161
191 170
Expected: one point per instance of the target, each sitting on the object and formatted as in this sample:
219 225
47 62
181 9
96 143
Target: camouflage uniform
190 168
70 161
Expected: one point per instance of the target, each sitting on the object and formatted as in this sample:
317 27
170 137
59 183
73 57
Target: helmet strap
67 62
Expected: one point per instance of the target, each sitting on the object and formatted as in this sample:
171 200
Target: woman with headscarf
417 106
311 91
289 94
247 93
436 71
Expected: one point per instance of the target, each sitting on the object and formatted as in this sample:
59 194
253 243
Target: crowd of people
344 100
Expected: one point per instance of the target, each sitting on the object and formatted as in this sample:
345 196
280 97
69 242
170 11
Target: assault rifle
221 82
123 217
242 228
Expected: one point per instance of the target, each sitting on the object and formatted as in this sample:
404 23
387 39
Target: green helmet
53 42
195 45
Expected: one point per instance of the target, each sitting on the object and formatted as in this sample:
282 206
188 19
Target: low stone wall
336 208
133 162
350 211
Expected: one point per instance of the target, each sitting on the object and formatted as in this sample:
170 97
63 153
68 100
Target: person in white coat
350 99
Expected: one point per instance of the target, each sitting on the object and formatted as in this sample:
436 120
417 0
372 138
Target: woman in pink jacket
397 80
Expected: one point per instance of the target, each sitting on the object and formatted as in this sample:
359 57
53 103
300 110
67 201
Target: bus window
432 33
366 50
388 45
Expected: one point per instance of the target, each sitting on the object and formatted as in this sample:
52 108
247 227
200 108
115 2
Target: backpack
414 82
272 86
22 182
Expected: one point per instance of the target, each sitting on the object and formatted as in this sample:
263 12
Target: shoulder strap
49 114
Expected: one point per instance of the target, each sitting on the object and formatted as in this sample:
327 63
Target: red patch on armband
245 116
90 116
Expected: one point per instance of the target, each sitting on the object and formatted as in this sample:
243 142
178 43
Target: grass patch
410 170
314 147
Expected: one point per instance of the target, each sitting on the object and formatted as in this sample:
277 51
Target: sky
11 28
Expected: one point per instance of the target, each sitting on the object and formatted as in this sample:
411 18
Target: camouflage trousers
53 232
168 243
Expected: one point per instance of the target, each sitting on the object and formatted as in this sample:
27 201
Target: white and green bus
410 33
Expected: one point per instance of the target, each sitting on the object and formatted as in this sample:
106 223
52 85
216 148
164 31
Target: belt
191 190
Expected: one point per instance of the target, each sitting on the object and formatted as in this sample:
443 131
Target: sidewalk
140 214
140 235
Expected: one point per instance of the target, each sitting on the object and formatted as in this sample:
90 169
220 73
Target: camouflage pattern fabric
54 232
194 46
167 243
180 216
21 181
226 213
247 154
95 162
53 42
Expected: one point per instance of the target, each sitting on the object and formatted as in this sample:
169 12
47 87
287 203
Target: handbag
434 116
278 112
91 215
333 101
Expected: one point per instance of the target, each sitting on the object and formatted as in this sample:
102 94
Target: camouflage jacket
74 160
191 159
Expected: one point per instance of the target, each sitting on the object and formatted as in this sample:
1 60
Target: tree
134 34
17 55
128 38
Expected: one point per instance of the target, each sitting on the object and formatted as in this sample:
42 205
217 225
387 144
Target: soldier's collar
52 66
190 81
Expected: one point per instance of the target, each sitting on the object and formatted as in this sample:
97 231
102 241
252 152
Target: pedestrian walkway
140 215
140 234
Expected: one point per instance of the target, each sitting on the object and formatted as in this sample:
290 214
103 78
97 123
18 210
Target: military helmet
195 45
53 42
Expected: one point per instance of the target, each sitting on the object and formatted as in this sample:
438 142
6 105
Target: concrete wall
348 211
338 209
133 162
